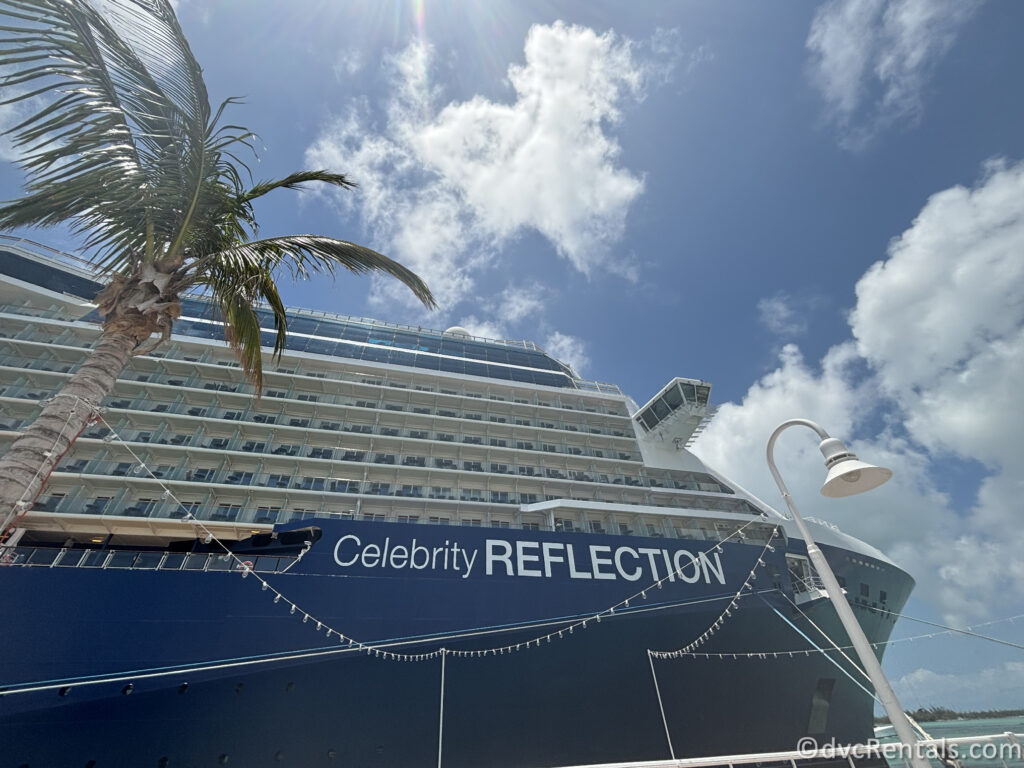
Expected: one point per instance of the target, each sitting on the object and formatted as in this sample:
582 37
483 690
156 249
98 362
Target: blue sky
818 207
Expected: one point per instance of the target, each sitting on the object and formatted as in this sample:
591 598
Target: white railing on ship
31 247
807 583
148 560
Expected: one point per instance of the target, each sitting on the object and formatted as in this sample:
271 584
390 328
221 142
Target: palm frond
242 332
126 151
296 180
121 149
237 289
305 255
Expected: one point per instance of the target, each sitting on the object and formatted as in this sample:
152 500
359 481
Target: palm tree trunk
28 463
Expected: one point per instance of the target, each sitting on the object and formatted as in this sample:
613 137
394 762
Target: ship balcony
590 397
239 496
209 380
130 509
493 435
168 434
168 464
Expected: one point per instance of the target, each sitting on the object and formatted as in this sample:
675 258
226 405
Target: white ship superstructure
334 436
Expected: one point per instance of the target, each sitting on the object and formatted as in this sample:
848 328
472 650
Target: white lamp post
847 476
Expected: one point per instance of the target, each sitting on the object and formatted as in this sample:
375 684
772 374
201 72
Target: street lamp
847 476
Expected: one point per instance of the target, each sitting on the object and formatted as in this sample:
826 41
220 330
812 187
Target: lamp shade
847 475
850 477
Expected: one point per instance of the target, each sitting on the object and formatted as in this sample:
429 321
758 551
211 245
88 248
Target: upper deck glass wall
37 273
343 337
420 349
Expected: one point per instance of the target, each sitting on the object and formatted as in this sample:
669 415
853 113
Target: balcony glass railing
687 481
680 481
73 340
390 484
488 436
205 384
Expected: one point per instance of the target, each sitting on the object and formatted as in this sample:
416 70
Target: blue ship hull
118 667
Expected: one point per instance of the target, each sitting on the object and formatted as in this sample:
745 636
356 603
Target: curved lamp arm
847 476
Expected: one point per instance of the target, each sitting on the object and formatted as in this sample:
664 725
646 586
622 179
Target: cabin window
267 514
226 512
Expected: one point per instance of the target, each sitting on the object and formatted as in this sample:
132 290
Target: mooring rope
661 705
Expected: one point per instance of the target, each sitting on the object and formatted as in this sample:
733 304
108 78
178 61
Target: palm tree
128 153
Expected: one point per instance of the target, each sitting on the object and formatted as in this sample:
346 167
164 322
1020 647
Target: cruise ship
417 548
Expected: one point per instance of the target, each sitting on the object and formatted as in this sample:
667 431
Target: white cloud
942 318
568 349
517 303
871 59
498 316
701 55
932 377
778 316
442 190
9 117
487 329
963 692
349 62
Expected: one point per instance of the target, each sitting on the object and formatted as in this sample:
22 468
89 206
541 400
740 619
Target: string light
246 569
720 620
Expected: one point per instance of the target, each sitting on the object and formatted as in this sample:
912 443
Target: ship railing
597 386
586 385
139 560
193 381
210 358
390 482
807 583
32 248
374 323
26 310
283 419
